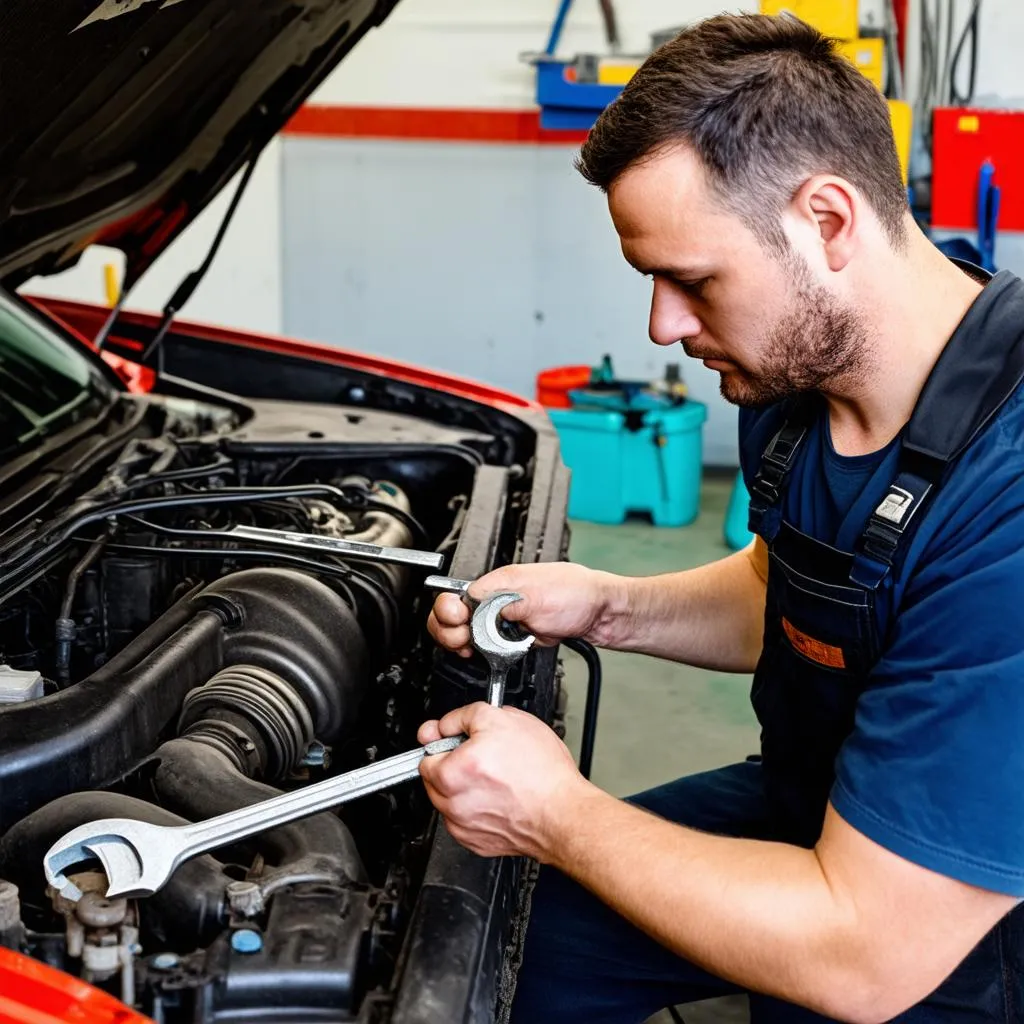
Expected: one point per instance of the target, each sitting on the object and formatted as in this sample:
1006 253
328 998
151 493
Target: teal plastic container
736 516
635 461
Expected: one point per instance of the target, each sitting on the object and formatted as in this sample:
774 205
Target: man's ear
833 207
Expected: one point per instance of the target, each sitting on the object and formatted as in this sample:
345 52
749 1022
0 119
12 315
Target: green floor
660 720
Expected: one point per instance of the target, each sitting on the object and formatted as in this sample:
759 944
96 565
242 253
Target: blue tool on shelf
984 253
988 215
556 27
568 93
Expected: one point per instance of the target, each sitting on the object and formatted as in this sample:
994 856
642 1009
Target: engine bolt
316 755
10 906
95 911
245 898
245 940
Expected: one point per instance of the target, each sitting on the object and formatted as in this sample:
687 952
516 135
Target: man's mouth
695 353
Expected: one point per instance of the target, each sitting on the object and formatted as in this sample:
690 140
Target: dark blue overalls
827 615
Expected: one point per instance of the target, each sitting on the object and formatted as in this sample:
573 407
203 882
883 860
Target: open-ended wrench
139 858
500 652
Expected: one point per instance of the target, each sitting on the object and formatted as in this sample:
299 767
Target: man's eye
695 287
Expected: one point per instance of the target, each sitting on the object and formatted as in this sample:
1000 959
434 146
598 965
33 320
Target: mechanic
868 863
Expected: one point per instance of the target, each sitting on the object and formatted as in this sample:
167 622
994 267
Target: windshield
45 385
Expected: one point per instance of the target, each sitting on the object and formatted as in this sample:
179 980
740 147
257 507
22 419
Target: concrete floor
659 720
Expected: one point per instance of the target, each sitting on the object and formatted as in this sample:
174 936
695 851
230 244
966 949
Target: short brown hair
765 102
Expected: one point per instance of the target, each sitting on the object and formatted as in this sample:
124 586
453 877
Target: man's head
748 167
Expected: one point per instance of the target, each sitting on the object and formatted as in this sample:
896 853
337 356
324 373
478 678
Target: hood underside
124 118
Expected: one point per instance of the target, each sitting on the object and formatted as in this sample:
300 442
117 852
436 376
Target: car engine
155 665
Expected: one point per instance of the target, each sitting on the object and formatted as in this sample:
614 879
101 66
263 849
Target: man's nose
672 315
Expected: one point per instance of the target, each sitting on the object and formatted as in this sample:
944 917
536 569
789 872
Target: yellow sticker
968 123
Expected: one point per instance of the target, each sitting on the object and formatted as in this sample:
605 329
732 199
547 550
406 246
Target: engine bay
155 665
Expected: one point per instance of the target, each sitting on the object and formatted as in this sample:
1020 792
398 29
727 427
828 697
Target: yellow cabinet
834 18
867 55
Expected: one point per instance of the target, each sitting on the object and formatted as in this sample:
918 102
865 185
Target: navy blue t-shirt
934 767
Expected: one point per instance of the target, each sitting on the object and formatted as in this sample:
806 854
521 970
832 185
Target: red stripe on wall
509 126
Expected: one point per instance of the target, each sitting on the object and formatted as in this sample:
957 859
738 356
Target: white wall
243 286
452 53
999 38
491 262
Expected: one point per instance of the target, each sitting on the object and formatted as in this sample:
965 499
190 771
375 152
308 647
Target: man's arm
711 616
848 929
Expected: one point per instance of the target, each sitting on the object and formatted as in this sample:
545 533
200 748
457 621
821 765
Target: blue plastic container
633 461
737 535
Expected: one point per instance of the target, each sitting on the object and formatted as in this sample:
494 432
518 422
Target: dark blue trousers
584 963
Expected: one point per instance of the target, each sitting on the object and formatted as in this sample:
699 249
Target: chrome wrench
318 544
139 858
499 651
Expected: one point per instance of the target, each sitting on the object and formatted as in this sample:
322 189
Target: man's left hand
504 791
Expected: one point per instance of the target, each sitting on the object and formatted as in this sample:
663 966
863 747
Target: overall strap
979 369
765 515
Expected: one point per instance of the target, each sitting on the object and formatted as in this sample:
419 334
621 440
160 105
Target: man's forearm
762 915
712 616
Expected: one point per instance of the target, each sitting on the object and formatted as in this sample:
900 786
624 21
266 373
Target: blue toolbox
632 452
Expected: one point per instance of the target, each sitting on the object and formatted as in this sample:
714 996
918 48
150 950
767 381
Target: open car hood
124 118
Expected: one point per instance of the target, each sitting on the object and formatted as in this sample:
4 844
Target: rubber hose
200 782
589 654
187 911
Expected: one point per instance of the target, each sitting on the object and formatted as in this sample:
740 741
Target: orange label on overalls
815 650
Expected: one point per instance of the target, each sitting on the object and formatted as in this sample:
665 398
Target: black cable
222 464
71 523
82 566
340 572
191 282
223 496
970 29
611 27
354 575
366 581
419 534
676 1016
589 654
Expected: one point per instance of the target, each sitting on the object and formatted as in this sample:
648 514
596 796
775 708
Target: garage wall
492 260
489 259
450 53
243 286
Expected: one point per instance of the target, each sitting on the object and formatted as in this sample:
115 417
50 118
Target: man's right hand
560 600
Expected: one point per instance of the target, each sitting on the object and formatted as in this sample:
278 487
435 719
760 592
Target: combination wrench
139 858
499 651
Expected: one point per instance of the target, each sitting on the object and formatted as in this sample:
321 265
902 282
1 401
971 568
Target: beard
818 342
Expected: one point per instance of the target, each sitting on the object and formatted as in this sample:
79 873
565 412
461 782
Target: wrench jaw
486 629
128 875
497 649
